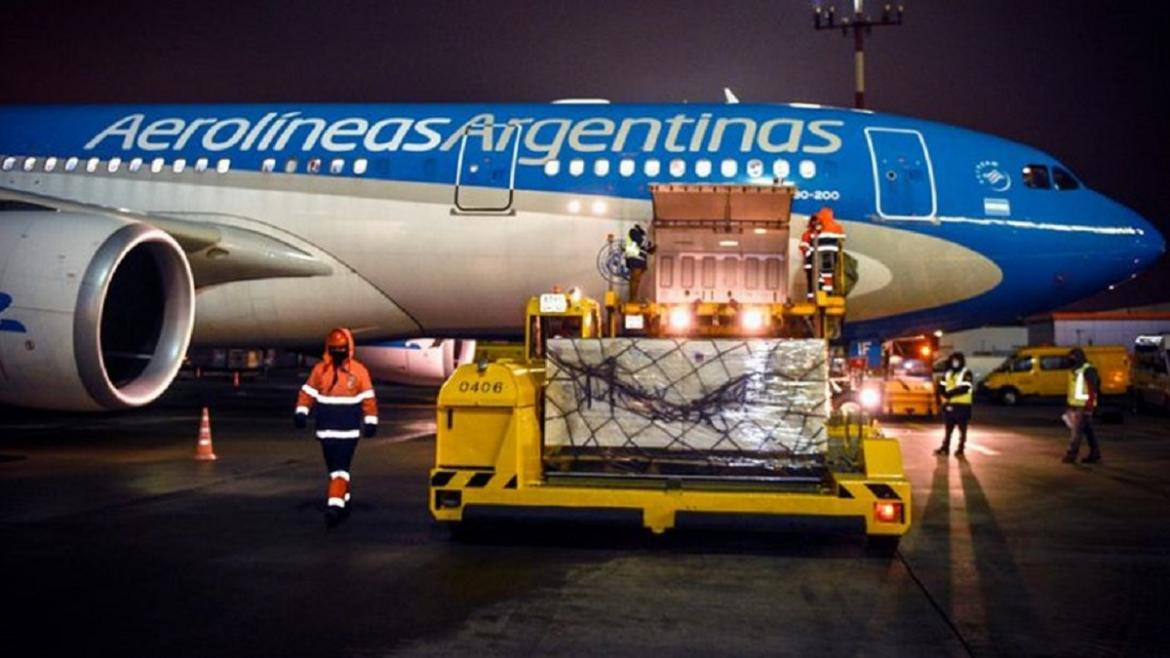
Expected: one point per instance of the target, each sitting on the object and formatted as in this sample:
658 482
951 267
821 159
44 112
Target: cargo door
485 176
903 176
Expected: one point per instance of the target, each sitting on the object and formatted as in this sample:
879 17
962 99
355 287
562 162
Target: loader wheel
882 545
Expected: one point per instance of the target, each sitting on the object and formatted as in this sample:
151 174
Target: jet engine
95 311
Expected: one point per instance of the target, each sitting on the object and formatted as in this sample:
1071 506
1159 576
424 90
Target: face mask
339 354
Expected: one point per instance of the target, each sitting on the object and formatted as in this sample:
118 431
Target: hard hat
825 214
337 338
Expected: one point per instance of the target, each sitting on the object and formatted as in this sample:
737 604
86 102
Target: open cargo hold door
721 242
485 174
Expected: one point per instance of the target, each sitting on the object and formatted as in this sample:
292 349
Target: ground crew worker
957 390
1084 387
808 251
340 388
638 248
827 243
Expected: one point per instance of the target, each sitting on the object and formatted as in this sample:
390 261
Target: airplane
131 232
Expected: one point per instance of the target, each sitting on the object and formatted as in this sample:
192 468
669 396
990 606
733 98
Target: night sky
1081 80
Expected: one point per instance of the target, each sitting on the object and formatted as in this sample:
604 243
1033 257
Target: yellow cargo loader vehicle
907 386
724 422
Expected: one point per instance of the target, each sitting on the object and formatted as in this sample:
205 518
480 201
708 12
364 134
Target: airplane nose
1150 244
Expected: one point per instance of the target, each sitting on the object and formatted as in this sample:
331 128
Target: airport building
1117 327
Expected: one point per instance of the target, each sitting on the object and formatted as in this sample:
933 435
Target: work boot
1069 458
959 452
943 451
333 516
1091 459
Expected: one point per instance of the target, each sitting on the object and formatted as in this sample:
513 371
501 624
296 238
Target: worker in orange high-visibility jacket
827 243
341 395
808 252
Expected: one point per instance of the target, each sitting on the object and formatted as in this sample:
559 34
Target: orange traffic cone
203 451
235 378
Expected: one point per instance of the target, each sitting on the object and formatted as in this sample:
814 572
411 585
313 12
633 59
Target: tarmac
116 542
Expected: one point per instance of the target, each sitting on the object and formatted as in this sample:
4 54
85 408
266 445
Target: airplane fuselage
439 220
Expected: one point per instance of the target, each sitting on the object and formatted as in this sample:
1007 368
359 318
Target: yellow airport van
1043 372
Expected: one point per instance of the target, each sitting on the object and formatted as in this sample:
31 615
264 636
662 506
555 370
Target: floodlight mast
860 25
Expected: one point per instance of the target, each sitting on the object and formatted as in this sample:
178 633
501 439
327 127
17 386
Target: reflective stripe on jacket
1079 389
958 381
343 397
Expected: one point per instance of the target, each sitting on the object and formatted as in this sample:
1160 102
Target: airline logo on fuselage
541 139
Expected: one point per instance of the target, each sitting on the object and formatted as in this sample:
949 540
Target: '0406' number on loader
481 387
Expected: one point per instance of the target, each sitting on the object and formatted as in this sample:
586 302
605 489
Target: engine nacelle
99 311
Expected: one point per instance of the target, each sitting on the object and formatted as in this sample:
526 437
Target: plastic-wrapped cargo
725 403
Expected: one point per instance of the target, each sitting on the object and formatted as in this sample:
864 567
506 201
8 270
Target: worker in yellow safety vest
1084 387
637 250
956 389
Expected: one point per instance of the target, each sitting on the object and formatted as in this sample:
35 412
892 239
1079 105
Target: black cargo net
752 408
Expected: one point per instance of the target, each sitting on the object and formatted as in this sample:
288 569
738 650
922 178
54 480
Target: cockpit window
1064 180
1036 176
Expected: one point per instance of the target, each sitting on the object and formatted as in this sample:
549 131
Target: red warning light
888 512
924 351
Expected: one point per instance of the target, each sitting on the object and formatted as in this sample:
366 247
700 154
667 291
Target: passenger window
30 163
703 168
552 167
290 166
360 165
9 163
135 165
114 165
223 166
337 166
1054 363
576 167
678 168
755 168
314 166
729 168
1022 364
1064 180
71 164
1036 177
268 166
179 165
91 165
808 169
156 165
201 165
781 169
653 167
626 167
50 164
601 167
